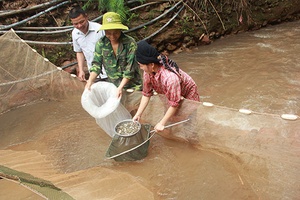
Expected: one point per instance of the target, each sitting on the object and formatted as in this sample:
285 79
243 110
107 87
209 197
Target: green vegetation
186 26
117 6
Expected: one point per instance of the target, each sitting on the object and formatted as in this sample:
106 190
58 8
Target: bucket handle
153 131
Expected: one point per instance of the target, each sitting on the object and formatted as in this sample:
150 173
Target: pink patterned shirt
171 85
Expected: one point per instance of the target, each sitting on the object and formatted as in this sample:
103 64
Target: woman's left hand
159 127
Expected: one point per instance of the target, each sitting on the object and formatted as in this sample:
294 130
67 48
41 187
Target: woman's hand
159 127
136 118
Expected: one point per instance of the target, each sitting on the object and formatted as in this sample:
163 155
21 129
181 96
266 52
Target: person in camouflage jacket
116 52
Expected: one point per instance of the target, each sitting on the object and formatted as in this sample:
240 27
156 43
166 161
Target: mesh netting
130 148
102 104
264 148
26 76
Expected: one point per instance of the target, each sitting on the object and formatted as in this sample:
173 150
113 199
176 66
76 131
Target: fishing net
132 147
263 148
27 77
102 104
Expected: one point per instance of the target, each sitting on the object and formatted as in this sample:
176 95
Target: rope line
27 79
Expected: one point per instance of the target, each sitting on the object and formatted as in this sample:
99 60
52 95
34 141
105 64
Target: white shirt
86 43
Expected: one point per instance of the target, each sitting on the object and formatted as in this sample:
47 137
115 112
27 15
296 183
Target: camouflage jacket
123 65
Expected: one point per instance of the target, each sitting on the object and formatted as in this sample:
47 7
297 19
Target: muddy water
172 170
7 186
257 70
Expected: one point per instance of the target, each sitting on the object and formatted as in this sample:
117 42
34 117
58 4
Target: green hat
112 20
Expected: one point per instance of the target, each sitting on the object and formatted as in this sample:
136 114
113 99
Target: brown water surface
257 70
172 170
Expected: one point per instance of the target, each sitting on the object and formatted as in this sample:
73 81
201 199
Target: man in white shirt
84 37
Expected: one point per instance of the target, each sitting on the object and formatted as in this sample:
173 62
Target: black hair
76 11
146 53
